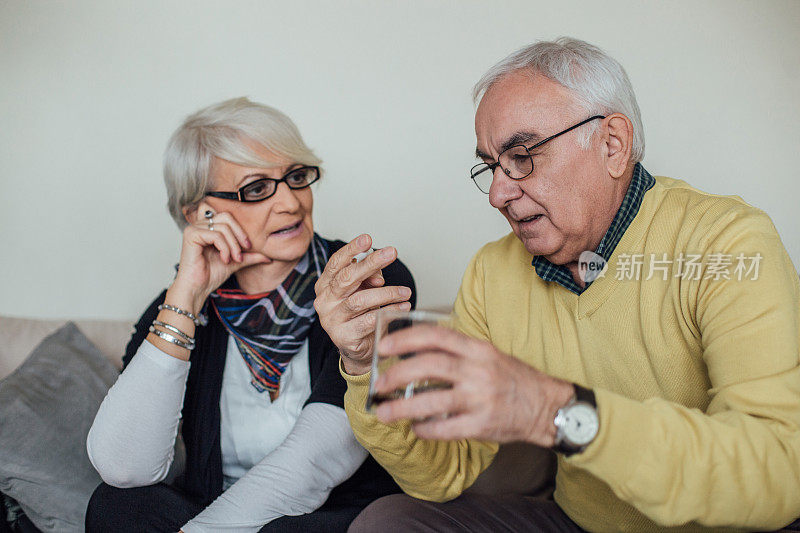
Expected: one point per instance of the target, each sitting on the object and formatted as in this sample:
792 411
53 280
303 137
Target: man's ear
618 143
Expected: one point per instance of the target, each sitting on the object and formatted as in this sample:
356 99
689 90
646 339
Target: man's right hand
349 295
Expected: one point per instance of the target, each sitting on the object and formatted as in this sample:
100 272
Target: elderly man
646 331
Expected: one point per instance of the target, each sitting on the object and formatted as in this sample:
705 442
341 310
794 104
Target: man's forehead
520 109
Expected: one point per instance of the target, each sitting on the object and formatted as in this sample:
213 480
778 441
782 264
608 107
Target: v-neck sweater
696 376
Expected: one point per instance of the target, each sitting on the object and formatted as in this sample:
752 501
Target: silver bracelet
174 340
173 329
202 320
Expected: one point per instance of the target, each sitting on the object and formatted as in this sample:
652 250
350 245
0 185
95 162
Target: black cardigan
202 479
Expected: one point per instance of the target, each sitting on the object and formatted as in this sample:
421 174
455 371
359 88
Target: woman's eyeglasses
264 187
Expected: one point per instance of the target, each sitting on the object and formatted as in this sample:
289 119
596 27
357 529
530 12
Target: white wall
91 90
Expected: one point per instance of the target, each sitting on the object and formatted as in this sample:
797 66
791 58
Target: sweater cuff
355 398
355 381
615 453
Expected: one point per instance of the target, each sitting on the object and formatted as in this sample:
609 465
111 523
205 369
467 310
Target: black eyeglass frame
491 167
239 195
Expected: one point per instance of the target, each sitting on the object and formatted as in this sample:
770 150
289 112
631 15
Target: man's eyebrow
521 137
480 154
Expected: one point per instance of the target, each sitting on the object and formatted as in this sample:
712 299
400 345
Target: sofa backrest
19 336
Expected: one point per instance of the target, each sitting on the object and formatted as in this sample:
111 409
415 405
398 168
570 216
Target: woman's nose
284 199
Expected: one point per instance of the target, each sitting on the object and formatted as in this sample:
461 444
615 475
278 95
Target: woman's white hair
597 80
226 130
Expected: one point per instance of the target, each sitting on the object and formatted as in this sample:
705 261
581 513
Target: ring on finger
209 214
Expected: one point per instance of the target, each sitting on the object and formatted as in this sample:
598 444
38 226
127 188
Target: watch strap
581 395
585 396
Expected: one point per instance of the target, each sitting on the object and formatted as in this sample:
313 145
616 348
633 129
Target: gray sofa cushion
46 408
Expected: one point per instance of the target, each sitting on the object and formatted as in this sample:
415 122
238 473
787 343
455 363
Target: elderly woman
234 348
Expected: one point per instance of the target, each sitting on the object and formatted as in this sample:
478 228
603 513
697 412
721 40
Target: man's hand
494 397
349 295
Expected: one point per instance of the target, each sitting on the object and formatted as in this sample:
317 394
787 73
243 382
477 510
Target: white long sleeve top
279 458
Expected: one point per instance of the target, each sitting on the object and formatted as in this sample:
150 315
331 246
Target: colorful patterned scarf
271 327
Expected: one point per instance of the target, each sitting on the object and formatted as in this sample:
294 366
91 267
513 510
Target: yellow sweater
697 380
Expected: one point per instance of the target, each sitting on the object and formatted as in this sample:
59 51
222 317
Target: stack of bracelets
183 340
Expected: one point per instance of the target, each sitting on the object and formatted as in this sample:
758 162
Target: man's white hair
597 80
226 130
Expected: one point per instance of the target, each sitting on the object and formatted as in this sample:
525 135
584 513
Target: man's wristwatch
576 423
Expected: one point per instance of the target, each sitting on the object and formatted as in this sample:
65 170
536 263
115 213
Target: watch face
580 424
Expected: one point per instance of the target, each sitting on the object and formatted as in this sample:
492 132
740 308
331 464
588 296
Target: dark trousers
472 513
158 508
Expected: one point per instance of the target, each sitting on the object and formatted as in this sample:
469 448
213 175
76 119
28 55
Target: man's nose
503 189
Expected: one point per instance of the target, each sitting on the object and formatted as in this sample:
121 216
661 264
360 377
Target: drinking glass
389 321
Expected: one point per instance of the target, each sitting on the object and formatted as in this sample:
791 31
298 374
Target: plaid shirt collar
641 182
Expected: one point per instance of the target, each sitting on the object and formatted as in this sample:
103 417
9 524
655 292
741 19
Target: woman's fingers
224 223
225 218
254 258
233 243
207 238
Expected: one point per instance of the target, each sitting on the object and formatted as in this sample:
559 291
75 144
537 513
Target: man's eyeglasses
264 187
516 161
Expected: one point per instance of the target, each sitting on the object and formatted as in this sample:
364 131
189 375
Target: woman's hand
210 255
349 295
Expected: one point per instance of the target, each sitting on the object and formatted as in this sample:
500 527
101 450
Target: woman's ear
190 213
196 213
